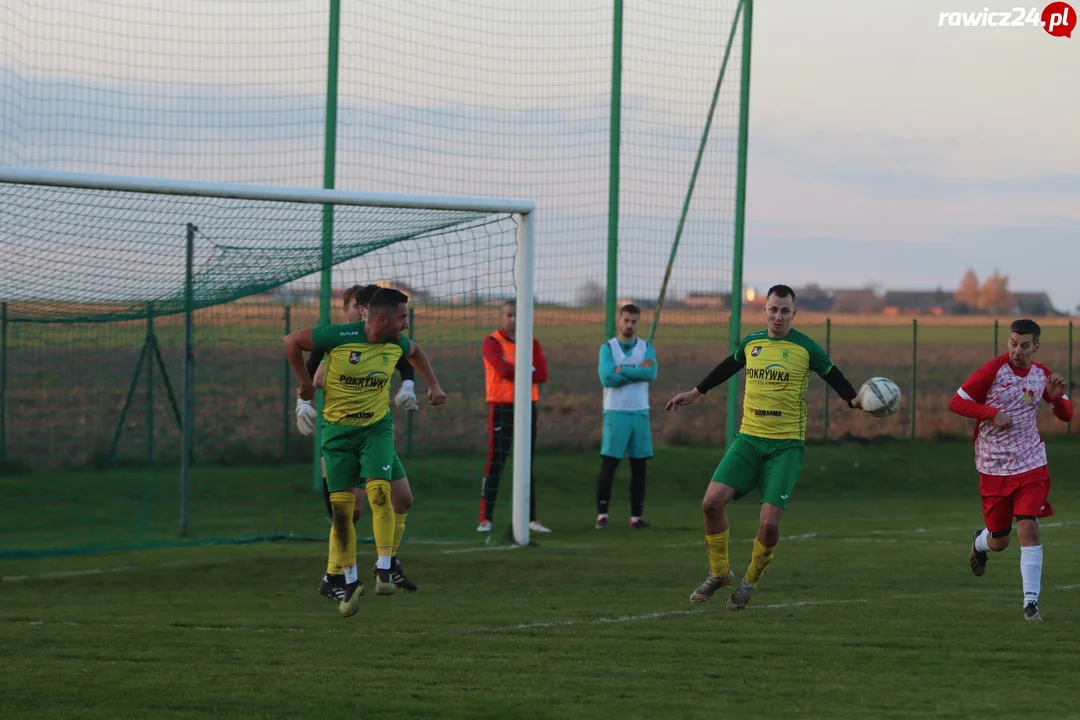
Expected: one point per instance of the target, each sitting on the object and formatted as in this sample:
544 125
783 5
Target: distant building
707 300
1034 303
931 302
861 301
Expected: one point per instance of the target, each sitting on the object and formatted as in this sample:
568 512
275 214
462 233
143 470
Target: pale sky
883 148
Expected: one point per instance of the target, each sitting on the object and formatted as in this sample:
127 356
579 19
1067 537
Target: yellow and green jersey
777 375
356 384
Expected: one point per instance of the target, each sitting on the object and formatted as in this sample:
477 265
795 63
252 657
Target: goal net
132 309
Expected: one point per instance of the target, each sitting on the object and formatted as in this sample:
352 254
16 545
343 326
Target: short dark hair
351 294
364 295
511 303
386 299
1026 327
630 308
781 291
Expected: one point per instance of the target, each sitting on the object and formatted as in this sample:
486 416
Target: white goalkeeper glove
406 396
305 417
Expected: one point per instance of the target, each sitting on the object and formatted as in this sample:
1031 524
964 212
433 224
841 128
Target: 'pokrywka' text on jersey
356 384
777 375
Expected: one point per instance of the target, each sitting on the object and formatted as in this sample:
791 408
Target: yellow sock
342 532
382 517
718 554
758 562
399 531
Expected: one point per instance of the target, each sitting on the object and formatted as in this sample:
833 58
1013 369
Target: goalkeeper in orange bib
357 427
767 453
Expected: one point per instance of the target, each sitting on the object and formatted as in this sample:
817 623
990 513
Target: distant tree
995 296
967 295
592 294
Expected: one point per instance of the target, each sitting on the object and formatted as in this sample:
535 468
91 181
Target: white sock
635 518
981 543
602 516
350 574
383 562
1031 572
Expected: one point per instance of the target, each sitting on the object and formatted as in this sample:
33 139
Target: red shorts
1006 496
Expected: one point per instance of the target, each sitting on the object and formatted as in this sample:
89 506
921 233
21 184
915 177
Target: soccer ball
879 396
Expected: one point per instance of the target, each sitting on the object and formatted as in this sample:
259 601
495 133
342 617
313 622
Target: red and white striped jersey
997 385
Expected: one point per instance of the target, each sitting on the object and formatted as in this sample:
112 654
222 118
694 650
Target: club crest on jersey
1028 395
354 357
756 351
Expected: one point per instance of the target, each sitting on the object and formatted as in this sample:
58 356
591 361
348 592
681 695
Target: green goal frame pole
735 328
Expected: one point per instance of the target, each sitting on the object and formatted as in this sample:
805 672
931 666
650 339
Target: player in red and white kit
1003 396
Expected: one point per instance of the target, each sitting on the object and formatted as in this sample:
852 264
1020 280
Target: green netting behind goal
92 285
460 98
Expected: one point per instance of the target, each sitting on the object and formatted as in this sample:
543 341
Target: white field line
768 606
548 625
856 537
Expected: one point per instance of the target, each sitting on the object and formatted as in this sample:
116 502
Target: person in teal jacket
627 366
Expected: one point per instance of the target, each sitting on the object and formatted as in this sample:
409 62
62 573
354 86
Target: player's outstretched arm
969 400
1059 401
296 343
720 374
842 386
420 361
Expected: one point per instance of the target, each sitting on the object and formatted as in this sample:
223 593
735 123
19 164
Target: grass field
868 610
66 384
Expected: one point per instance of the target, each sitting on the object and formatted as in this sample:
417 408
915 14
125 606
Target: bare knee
401 496
713 505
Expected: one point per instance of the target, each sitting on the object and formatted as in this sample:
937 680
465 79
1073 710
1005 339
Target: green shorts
771 466
355 454
397 472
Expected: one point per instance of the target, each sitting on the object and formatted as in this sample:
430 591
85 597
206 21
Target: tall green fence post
329 174
286 384
1068 377
735 329
409 415
615 133
828 351
914 372
3 386
150 338
188 424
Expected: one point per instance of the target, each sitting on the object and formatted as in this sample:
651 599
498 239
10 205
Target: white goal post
524 273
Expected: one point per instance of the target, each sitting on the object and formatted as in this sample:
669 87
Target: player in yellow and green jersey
332 584
357 427
767 453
